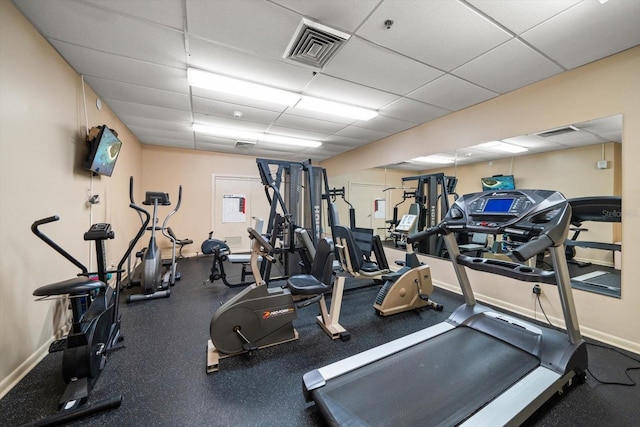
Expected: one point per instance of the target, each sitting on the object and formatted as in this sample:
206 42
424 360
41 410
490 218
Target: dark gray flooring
161 372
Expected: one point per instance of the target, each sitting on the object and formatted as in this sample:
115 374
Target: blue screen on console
498 205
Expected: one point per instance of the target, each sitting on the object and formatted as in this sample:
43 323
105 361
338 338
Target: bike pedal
57 345
250 347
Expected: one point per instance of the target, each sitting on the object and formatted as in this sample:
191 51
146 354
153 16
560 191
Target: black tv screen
498 182
103 151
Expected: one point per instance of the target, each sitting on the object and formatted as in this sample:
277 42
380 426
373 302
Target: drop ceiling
437 57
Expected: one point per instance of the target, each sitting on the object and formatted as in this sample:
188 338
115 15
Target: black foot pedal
57 345
249 347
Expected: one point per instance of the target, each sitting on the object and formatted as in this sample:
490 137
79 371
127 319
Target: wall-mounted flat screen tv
498 182
103 150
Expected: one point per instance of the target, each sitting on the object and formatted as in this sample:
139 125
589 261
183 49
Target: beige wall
164 169
42 128
603 88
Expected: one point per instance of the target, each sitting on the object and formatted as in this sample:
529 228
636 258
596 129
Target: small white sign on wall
234 208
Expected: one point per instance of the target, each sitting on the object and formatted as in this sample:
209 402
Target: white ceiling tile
225 110
164 12
519 16
318 115
442 33
610 128
452 93
364 63
147 123
298 133
254 26
305 123
229 123
363 134
150 111
220 59
139 94
385 124
344 15
590 32
413 111
334 89
240 101
148 135
90 62
509 66
85 25
345 141
532 142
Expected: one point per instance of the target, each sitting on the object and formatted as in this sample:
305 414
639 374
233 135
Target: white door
370 205
236 202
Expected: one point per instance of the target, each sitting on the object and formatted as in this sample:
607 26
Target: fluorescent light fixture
286 140
249 136
503 146
433 159
335 108
219 83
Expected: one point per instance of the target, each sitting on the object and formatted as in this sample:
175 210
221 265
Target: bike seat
77 285
306 284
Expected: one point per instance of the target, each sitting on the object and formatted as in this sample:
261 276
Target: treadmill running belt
415 388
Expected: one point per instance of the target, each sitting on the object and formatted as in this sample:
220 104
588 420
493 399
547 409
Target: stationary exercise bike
95 331
260 316
153 283
222 253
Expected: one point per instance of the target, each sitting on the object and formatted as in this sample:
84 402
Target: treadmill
480 367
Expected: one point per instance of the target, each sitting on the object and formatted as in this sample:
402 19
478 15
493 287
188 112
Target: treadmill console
494 211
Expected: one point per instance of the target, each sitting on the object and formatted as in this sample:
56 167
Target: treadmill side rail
513 407
319 377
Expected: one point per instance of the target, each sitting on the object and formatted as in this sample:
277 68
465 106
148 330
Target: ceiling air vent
556 132
244 145
314 44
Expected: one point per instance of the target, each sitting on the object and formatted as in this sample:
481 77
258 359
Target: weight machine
431 205
295 192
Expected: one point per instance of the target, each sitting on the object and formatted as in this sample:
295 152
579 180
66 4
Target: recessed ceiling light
336 108
219 83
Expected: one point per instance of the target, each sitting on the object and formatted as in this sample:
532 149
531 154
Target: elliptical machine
151 279
95 330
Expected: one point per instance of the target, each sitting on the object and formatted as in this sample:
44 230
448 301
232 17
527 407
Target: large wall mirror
579 159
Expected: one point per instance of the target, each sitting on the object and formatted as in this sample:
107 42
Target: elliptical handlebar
166 220
142 212
54 245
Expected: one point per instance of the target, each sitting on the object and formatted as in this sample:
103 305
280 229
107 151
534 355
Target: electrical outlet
537 290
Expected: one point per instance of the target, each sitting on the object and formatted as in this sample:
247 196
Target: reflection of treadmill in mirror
480 366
